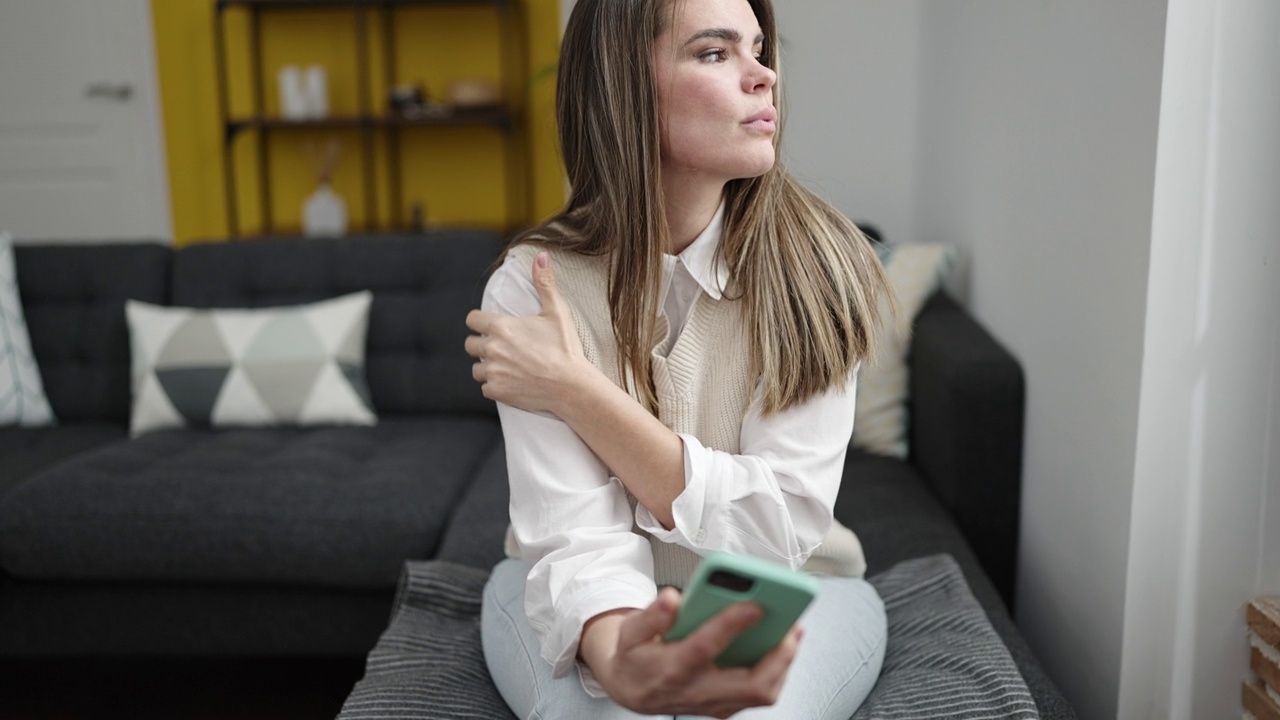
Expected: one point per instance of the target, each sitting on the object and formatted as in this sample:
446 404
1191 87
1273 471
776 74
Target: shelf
371 117
296 4
494 115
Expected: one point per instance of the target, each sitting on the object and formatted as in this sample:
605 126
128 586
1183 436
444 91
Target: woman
673 356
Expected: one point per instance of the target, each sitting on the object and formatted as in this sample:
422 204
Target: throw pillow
22 398
298 365
915 272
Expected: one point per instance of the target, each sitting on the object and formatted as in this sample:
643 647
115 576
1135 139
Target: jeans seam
537 690
881 642
861 666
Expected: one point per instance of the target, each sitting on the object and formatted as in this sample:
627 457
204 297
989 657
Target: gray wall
1037 156
1025 133
850 80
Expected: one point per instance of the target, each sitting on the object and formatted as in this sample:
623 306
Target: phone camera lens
730 581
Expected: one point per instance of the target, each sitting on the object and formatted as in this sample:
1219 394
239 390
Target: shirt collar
708 270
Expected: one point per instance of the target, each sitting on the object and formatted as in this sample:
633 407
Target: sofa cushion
334 507
295 365
943 658
897 517
73 297
478 525
423 286
27 451
886 502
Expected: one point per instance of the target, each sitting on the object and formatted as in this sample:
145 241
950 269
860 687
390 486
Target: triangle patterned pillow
297 365
22 398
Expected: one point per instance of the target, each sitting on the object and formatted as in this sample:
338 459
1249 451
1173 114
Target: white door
81 146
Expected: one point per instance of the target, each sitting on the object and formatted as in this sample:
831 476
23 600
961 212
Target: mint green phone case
720 581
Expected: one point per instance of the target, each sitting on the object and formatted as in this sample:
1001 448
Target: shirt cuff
608 595
589 682
689 509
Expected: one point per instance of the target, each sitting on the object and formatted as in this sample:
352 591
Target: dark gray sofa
289 542
252 542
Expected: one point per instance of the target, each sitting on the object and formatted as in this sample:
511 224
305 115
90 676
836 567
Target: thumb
544 281
647 624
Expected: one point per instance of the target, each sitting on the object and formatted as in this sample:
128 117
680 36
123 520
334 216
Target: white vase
324 214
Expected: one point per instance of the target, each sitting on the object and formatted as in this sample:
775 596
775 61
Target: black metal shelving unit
373 118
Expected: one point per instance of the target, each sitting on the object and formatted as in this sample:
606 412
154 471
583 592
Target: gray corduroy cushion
942 660
339 507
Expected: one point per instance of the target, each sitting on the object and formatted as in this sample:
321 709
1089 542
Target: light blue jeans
834 670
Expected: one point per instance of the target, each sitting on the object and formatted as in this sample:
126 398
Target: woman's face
715 99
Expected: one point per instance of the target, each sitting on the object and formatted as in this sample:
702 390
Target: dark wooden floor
176 689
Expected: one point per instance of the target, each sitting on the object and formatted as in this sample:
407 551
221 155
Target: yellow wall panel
437 46
459 175
438 161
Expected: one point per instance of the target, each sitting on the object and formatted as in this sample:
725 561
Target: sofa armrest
966 409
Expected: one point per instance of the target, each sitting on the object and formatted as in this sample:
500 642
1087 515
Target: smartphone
723 579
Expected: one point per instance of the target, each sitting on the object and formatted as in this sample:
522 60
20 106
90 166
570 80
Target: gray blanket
943 659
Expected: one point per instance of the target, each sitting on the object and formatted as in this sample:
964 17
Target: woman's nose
759 76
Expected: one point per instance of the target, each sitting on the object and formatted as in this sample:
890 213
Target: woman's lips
764 120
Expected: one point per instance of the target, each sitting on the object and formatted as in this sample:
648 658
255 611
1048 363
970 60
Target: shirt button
700 535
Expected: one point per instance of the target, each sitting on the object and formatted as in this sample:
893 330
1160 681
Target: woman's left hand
528 362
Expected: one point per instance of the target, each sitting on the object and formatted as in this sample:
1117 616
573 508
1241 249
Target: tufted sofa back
423 286
73 299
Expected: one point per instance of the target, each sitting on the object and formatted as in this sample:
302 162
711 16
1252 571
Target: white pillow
916 271
22 398
297 365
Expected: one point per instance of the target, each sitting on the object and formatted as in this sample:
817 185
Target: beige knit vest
704 389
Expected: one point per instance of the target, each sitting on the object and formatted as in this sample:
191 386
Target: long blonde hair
810 281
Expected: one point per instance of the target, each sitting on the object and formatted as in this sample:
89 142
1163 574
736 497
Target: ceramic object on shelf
474 93
324 214
293 97
316 84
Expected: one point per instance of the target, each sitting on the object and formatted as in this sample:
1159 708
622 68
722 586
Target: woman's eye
713 56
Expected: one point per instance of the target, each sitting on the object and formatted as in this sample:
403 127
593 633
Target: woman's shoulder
525 249
510 288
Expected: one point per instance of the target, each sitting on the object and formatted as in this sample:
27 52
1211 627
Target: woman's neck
690 207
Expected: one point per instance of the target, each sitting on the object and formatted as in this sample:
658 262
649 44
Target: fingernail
749 612
543 260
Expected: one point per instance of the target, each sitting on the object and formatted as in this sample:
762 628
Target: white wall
1206 505
76 166
1036 155
850 90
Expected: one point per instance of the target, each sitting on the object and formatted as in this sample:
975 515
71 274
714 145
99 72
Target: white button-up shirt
773 499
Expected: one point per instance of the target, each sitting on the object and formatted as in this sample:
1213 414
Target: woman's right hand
644 673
